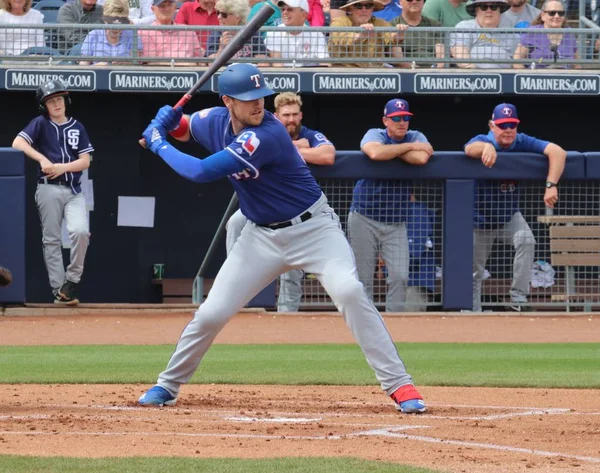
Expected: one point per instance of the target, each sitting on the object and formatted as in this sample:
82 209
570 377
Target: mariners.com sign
23 79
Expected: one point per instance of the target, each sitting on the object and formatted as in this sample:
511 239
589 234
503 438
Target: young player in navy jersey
497 212
315 148
291 227
61 146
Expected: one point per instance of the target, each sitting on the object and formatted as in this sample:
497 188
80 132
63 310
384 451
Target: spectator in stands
293 45
546 49
391 9
316 16
314 148
140 11
234 13
199 13
85 12
495 47
369 43
447 12
497 214
170 44
417 44
113 42
521 14
19 12
379 209
274 19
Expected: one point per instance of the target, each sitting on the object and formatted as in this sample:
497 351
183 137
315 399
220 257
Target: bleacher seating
49 9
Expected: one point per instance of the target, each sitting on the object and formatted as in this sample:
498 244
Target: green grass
18 464
443 364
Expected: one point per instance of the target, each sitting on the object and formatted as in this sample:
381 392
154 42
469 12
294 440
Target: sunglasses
506 126
400 118
222 13
488 6
560 13
366 6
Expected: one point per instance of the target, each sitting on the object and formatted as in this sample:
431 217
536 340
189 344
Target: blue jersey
276 184
384 200
62 143
314 138
497 201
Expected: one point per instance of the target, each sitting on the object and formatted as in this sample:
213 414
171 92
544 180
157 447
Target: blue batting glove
169 117
155 136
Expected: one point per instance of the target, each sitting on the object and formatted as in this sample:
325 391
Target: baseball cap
158 2
116 20
395 108
505 113
303 4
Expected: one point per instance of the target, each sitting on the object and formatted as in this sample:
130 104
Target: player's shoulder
482 137
211 113
376 133
413 135
270 126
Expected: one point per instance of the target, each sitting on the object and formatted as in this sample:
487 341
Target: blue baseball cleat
157 396
408 400
413 406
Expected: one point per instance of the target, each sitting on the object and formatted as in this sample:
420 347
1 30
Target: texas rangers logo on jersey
249 142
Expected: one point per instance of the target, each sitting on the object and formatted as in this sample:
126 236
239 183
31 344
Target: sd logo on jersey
249 142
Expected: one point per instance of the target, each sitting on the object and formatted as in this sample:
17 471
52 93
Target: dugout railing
417 48
444 220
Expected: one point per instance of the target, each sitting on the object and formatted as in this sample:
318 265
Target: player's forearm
323 155
416 157
556 162
22 145
475 150
79 164
381 152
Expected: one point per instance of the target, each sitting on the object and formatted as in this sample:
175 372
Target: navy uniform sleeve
533 145
85 145
32 131
316 139
256 148
483 138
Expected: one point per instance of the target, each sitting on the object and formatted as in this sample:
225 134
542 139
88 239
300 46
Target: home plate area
465 429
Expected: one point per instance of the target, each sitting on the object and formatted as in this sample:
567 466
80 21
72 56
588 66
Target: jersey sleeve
32 131
483 138
373 135
202 128
84 140
533 145
316 139
256 148
419 138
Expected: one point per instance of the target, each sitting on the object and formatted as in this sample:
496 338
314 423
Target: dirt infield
465 430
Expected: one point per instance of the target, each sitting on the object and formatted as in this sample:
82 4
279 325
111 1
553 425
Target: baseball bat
233 47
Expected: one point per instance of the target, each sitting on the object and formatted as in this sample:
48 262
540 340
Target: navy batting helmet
244 82
50 89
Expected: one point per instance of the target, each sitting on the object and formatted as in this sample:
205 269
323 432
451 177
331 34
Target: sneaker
66 294
408 400
157 396
519 307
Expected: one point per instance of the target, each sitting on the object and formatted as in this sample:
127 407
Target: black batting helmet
49 89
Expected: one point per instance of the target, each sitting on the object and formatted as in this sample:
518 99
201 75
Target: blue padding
457 266
592 165
12 234
448 165
11 162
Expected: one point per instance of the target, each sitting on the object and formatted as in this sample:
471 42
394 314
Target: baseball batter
497 214
60 144
291 227
315 148
379 209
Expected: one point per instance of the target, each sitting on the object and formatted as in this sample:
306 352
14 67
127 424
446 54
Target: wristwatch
550 184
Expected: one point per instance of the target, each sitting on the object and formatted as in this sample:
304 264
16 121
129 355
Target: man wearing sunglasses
521 14
379 209
495 47
497 214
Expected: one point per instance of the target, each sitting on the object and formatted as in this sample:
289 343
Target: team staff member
291 227
497 214
61 146
315 148
377 219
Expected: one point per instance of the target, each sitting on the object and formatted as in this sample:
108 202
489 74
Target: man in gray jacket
78 12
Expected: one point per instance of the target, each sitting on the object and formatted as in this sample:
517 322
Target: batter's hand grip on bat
238 41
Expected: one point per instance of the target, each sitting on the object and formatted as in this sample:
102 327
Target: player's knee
79 232
348 291
210 318
524 238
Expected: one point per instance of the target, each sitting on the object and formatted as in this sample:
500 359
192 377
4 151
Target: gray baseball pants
367 237
516 233
290 283
54 204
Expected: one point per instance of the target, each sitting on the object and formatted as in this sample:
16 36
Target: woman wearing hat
113 42
369 43
497 47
